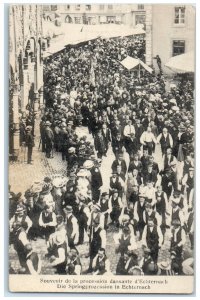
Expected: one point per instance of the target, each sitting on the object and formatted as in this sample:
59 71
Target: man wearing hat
116 183
139 209
29 143
188 183
71 226
152 238
178 239
97 263
169 182
168 158
176 212
151 214
165 140
180 140
97 239
135 163
96 181
119 161
149 175
63 137
144 159
83 215
145 259
21 217
127 262
47 221
58 192
99 144
73 266
46 197
49 139
117 143
19 239
105 207
132 192
115 203
131 144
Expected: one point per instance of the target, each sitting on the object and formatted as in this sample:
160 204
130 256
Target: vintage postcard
101 148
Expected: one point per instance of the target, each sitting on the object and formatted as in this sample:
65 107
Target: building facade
172 32
130 14
25 66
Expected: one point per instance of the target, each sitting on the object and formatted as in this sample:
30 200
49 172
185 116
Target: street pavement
22 175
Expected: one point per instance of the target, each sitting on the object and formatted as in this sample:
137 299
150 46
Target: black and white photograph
102 145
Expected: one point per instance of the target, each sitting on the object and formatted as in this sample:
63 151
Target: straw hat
82 173
59 181
88 164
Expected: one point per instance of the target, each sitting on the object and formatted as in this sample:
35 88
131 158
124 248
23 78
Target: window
53 7
110 6
77 20
67 7
46 7
88 7
140 6
111 19
78 7
178 47
179 15
140 19
101 7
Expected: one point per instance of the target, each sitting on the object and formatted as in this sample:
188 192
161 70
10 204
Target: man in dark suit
168 158
139 129
149 174
29 143
117 143
154 164
165 140
146 121
119 161
180 140
116 128
131 144
96 181
144 159
105 131
168 181
49 139
99 144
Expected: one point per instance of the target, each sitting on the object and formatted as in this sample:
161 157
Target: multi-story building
26 66
130 14
170 28
172 32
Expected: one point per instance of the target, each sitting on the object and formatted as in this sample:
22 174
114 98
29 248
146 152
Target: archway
68 19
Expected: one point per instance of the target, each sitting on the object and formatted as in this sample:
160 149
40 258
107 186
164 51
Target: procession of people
147 197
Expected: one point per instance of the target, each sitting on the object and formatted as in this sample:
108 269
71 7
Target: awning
73 34
184 63
130 63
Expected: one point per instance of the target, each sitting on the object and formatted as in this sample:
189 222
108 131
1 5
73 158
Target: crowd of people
149 200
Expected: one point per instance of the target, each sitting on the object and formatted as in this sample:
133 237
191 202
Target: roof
130 63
